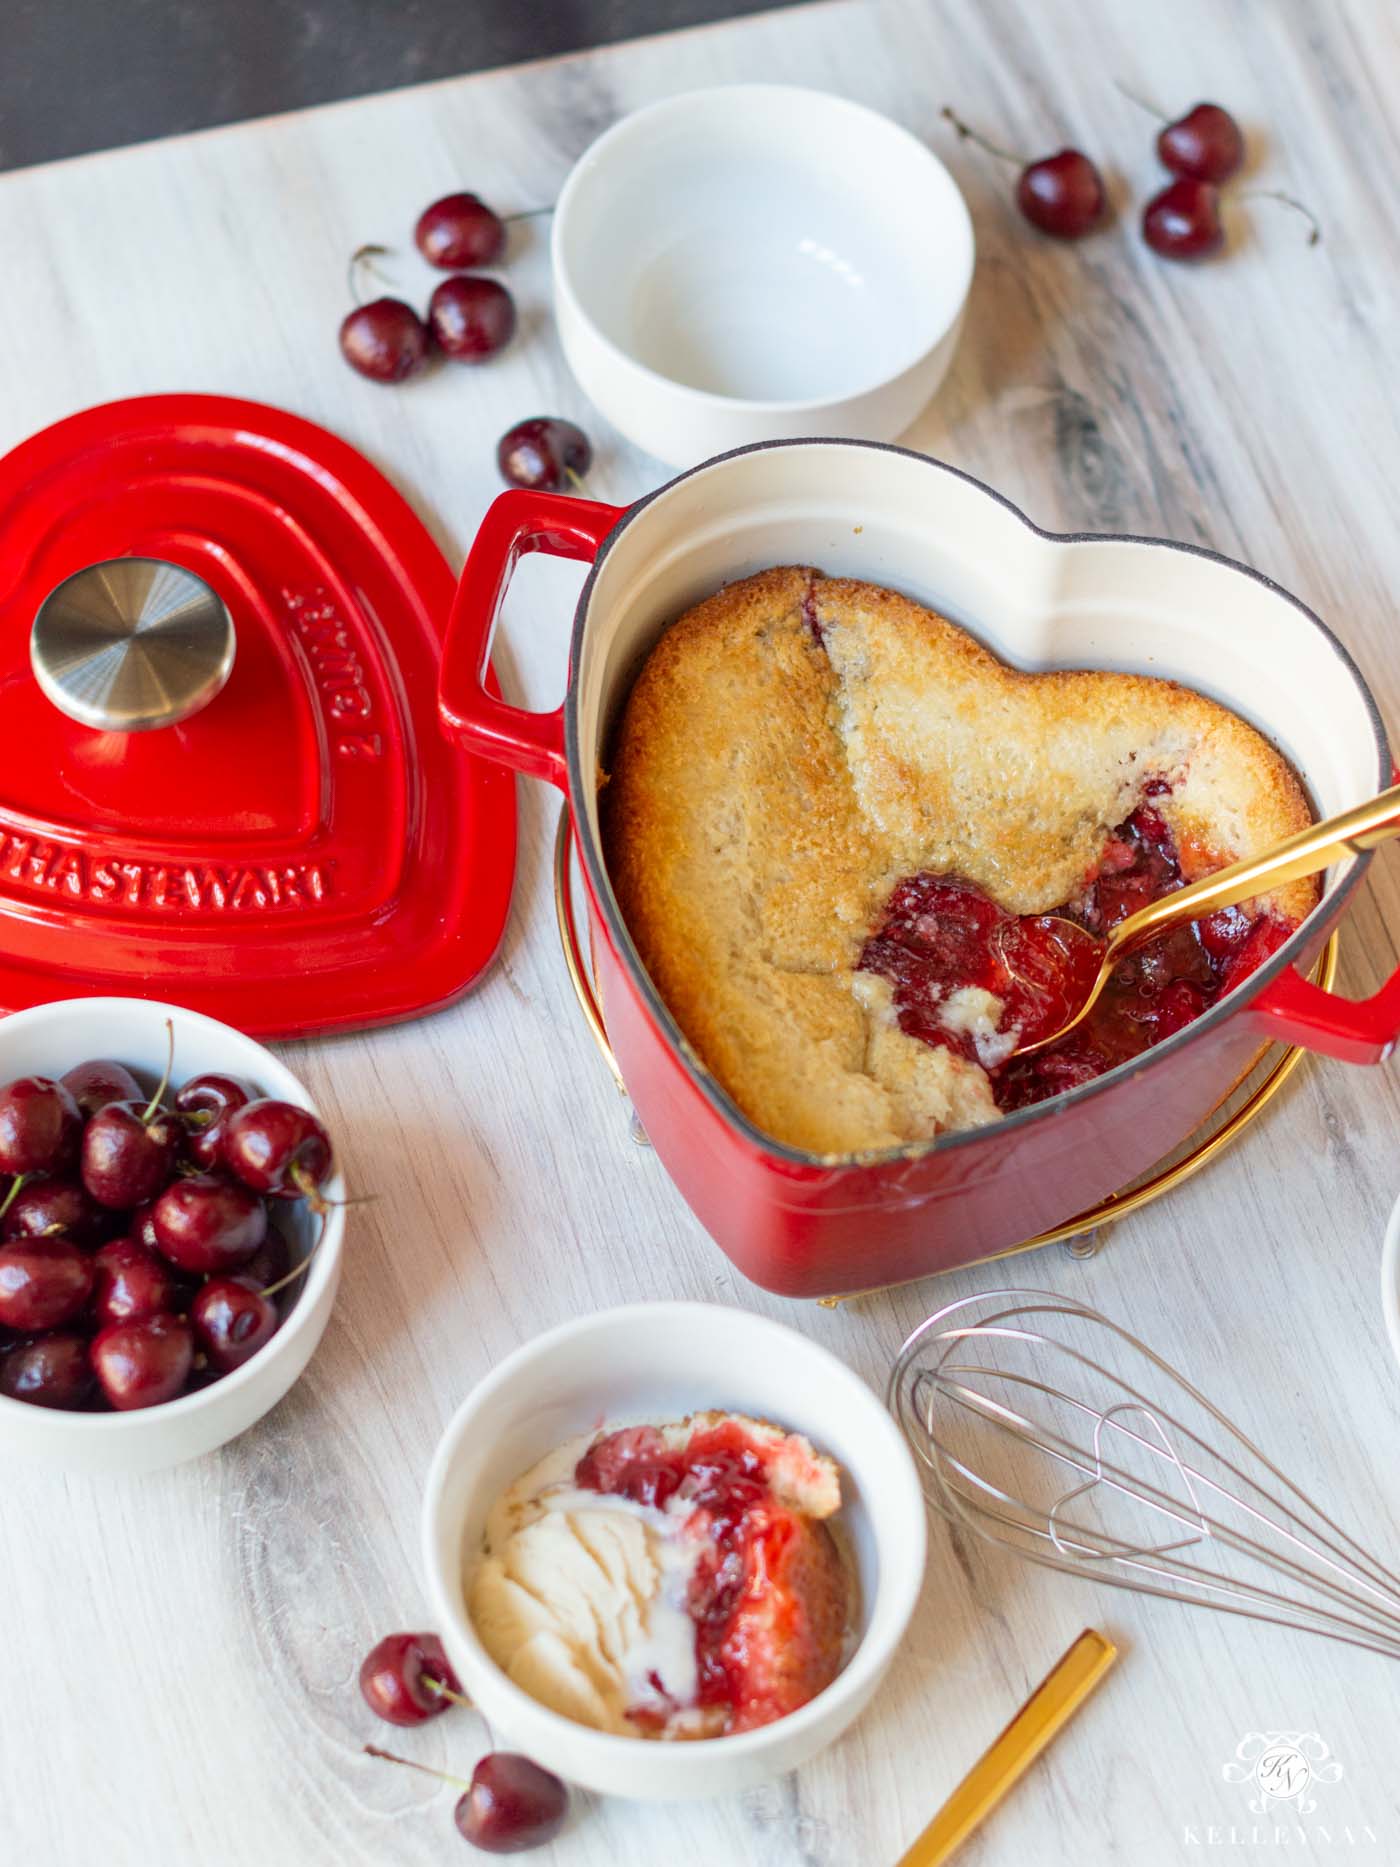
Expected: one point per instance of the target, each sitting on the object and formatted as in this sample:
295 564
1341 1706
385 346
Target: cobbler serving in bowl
674 1581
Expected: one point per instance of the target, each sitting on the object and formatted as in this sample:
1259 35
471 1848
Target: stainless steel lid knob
131 644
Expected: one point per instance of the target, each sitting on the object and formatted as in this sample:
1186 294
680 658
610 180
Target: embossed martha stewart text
338 673
113 880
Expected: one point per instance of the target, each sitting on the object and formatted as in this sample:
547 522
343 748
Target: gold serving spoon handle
1316 847
1048 1709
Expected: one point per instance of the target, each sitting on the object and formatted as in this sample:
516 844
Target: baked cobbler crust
796 744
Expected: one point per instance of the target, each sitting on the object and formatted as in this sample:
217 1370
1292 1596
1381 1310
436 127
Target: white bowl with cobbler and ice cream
655 1595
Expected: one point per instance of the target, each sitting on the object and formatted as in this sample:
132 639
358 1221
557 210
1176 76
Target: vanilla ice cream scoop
581 1598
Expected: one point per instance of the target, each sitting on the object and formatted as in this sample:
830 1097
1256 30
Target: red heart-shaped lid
307 852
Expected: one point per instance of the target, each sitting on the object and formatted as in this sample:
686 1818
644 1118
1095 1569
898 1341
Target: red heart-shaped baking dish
811 1224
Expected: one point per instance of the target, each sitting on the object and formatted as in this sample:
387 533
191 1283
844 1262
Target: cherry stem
387 1756
164 1082
298 1270
308 1188
1288 200
1141 102
970 135
528 213
314 1198
15 1185
573 479
364 256
445 1691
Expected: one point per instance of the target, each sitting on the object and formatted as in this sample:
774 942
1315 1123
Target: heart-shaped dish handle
517 522
1292 1010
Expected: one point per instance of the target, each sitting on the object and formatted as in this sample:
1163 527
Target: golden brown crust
770 783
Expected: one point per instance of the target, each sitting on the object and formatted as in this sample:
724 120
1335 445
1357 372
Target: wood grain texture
181 1650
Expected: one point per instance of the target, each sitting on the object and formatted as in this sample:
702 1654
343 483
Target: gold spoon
1048 1709
1314 848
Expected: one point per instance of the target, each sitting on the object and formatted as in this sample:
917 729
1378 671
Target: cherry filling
939 935
762 1594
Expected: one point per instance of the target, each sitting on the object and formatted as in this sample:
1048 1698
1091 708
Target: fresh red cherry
269 1264
59 1208
471 318
1062 194
209 1223
385 340
44 1282
131 1283
512 1805
545 453
39 1126
142 1364
1206 144
141 1225
206 1100
231 1322
99 1081
129 1151
212 1093
1183 221
278 1149
509 1806
408 1678
460 230
52 1372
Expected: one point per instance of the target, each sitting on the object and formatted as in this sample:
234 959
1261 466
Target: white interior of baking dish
1040 602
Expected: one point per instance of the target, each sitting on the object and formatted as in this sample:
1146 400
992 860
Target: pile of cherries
1064 194
470 318
1201 150
510 1804
137 1258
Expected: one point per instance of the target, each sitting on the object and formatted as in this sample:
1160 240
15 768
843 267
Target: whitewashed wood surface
180 1653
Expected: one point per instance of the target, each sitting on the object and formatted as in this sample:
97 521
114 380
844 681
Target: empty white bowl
49 1039
758 262
658 1362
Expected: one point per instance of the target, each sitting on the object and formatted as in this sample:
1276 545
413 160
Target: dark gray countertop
79 75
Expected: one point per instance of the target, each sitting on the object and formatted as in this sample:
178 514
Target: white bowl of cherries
171 1224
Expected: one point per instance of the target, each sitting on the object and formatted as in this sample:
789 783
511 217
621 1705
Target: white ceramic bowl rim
636 120
580 762
301 1312
889 1616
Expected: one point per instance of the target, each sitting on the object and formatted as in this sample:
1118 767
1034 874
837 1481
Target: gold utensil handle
1316 847
1052 1704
